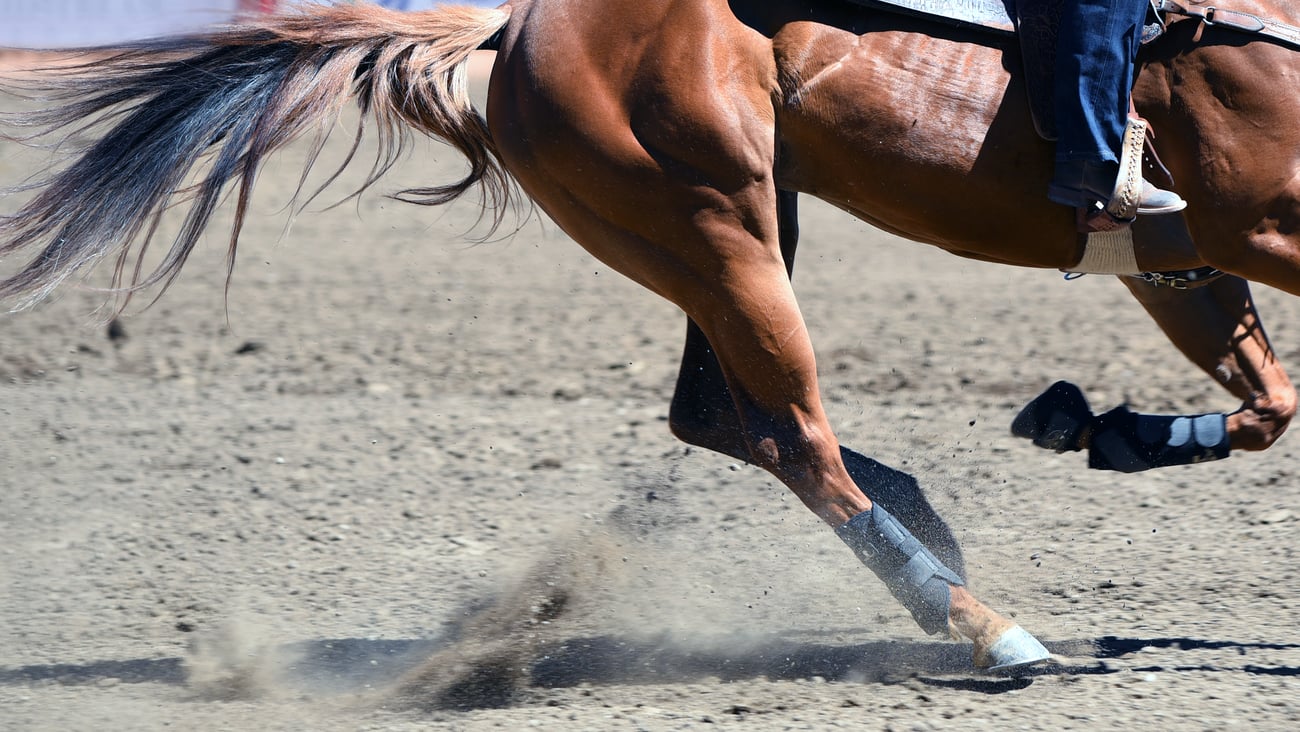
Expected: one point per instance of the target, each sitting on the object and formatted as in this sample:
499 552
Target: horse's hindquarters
632 129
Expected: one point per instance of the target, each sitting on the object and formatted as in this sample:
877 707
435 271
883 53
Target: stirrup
1133 195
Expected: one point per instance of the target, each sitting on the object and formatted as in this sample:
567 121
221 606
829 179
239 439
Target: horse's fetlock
1283 409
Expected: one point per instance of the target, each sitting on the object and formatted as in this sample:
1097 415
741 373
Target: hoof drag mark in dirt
483 662
490 656
578 617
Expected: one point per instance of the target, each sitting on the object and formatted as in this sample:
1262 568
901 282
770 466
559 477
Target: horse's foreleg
1217 327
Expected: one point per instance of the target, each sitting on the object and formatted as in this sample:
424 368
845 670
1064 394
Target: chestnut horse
669 139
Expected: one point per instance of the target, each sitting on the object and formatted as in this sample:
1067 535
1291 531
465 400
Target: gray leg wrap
908 569
1059 419
1129 442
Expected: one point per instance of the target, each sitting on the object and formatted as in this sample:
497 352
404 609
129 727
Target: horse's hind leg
672 184
722 266
738 292
703 413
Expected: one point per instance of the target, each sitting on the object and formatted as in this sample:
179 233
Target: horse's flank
925 134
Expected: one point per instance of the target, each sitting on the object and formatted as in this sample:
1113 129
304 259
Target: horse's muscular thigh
660 127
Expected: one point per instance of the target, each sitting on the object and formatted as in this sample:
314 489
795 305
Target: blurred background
49 24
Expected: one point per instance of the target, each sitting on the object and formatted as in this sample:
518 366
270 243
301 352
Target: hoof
1014 649
1055 419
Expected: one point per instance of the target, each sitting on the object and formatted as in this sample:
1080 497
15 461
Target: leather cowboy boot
1119 187
1082 183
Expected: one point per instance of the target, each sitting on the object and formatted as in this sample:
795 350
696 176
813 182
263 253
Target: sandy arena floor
335 502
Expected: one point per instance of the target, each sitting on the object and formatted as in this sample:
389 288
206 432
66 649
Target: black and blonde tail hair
158 110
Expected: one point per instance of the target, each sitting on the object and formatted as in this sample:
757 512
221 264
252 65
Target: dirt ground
398 481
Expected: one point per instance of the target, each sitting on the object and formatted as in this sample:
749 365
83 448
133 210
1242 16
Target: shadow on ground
345 665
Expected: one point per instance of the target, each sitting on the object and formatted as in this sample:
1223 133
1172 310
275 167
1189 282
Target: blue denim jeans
1095 50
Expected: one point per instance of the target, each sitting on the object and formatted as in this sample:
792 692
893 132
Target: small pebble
1281 515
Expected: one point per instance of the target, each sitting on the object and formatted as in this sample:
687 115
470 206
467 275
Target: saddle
1107 244
1035 24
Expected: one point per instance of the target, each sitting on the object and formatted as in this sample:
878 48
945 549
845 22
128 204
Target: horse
671 141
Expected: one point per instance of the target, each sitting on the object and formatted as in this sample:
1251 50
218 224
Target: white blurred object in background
72 23
68 23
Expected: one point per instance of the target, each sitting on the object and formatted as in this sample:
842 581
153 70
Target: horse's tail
226 100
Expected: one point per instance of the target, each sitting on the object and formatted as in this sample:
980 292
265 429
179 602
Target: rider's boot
1118 187
1081 183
